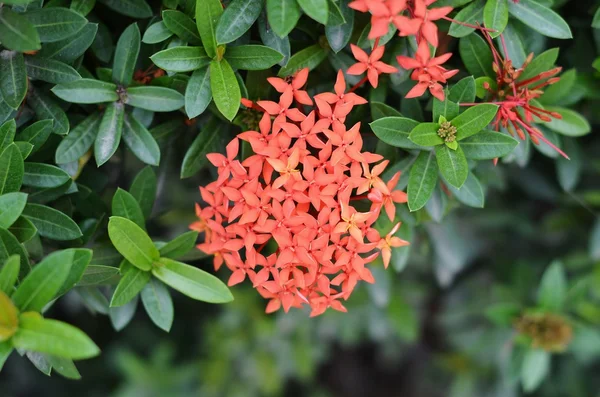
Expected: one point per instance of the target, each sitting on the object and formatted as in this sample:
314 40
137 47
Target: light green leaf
316 9
252 57
81 259
310 58
225 89
121 316
13 78
182 26
132 242
130 285
495 16
156 33
44 175
79 141
109 133
143 189
471 193
541 63
11 207
192 282
463 91
197 92
131 8
426 134
53 337
140 141
422 180
535 367
540 18
208 13
158 304
86 91
16 32
473 120
43 282
126 55
283 15
9 273
156 99
571 124
55 23
552 291
51 223
11 169
179 246
237 18
126 206
63 366
181 59
452 164
98 275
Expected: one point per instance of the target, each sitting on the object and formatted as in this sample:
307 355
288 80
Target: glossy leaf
470 15
206 142
540 18
140 141
86 91
272 40
495 16
37 133
55 23
109 133
13 78
16 32
71 48
283 15
339 35
310 58
143 189
44 175
98 275
156 33
46 108
51 223
179 246
158 304
131 284
252 57
208 13
422 180
225 89
463 91
9 245
81 259
181 59
126 206
11 169
126 55
182 26
11 207
132 242
471 193
237 18
426 134
452 164
571 124
198 92
541 63
156 99
476 55
316 9
79 140
473 120
130 8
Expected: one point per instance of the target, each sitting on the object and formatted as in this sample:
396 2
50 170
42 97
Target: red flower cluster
411 18
296 190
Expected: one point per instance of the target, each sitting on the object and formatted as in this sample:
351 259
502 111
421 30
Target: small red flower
370 64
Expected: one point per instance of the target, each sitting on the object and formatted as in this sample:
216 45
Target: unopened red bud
556 115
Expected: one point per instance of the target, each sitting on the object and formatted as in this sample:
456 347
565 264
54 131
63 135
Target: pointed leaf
11 207
132 242
71 48
156 33
469 15
310 58
79 141
495 16
552 291
339 35
131 284
11 169
463 91
198 92
143 189
126 55
98 275
121 316
126 206
473 120
9 245
44 175
16 32
158 304
252 57
283 15
131 8
109 133
81 259
182 26
225 89
540 18
206 142
156 99
181 59
471 193
476 55
535 367
208 13
13 78
426 134
316 9
37 133
571 124
452 164
179 246
488 145
422 180
51 223
237 18
140 141
55 23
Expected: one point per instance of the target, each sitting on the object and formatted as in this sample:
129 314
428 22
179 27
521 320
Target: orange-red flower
370 64
421 21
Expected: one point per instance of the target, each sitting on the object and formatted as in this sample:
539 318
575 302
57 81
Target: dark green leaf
310 58
156 99
126 206
180 246
206 142
316 9
283 15
208 13
79 141
156 33
237 18
69 49
445 108
44 175
23 229
252 57
225 89
86 91
181 59
271 39
51 223
53 337
7 133
131 8
130 285
140 141
471 193
37 133
158 304
102 46
569 170
25 148
571 124
182 26
55 23
495 16
11 206
422 180
380 110
473 120
109 133
463 91
11 169
16 32
13 78
83 7
476 55
126 55
541 63
143 189
192 282
197 92
452 164
46 108
132 242
540 18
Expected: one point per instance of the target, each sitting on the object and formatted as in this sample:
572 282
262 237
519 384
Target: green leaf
182 26
132 242
488 145
9 320
552 291
9 273
51 223
283 15
422 180
7 133
44 175
109 133
121 316
9 245
225 88
540 19
272 40
198 93
71 48
102 47
11 169
63 366
81 259
476 55
426 134
16 32
25 148
380 110
79 141
156 99
130 285
571 124
452 164
181 59
502 314
43 282
463 91
207 141
237 18
37 133
535 368
310 58
180 246
192 282
541 63
495 16
98 275
143 189
11 207
596 20
252 57
46 108
515 48
131 8
569 170
140 141
316 9
86 91
473 120
156 33
13 78
126 55
339 36
554 94
83 7
208 13
53 337
126 206
471 14
6 349
158 304
55 23
445 108
471 193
